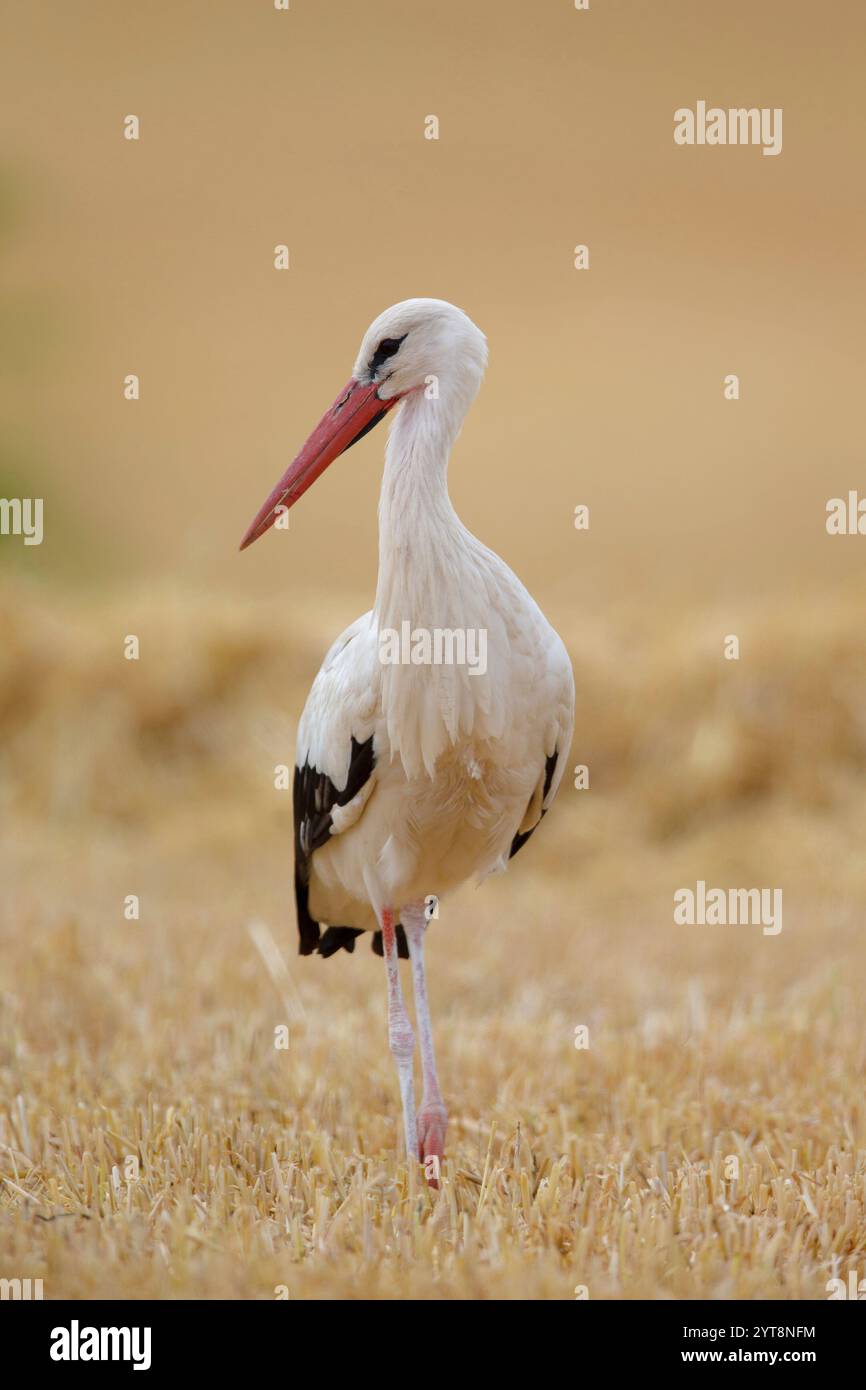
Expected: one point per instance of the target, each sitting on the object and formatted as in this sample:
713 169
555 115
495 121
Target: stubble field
709 1142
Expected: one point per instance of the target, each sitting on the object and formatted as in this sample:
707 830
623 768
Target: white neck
420 534
433 574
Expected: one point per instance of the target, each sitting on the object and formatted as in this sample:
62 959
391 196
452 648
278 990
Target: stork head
406 349
419 339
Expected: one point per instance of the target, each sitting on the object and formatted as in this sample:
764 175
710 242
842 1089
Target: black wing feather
520 840
314 797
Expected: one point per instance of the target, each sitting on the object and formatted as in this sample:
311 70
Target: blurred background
605 388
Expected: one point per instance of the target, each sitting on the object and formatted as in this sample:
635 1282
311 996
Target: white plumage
415 777
409 833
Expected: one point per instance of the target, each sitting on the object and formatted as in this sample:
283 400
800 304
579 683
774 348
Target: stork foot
432 1123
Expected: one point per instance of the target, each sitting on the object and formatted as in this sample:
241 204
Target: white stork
413 776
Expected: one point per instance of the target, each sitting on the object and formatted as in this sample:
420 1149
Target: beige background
556 128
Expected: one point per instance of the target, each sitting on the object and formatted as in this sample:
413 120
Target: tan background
156 778
556 128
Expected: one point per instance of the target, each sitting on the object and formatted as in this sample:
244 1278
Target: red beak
355 411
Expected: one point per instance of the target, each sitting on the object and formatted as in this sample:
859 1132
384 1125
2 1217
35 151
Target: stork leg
432 1117
401 1038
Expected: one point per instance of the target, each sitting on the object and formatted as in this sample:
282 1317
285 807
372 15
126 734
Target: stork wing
335 767
559 691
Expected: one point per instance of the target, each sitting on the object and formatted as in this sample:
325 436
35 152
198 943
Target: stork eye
386 349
